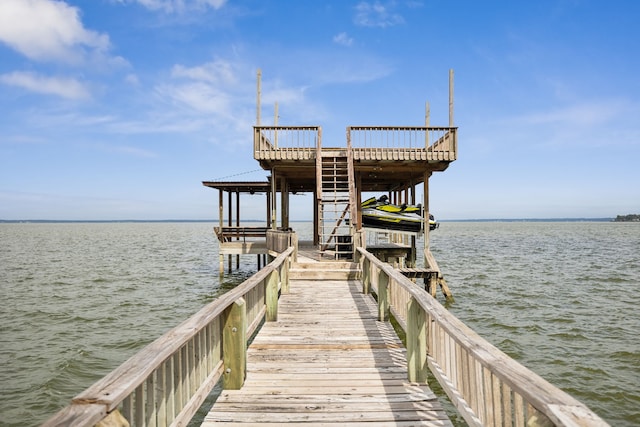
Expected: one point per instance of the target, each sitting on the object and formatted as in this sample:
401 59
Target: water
79 299
562 298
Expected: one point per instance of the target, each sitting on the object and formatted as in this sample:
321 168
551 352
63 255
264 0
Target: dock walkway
327 360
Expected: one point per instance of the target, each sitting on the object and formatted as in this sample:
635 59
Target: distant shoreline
116 221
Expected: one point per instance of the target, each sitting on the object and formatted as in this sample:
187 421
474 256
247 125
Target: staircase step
335 270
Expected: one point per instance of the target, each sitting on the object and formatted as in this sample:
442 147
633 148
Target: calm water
79 299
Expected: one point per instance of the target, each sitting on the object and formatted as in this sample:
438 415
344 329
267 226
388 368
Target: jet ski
379 213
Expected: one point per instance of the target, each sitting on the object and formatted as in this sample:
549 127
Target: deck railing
403 143
232 233
367 142
486 386
286 142
168 380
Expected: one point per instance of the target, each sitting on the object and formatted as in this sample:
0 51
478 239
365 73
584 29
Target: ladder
336 202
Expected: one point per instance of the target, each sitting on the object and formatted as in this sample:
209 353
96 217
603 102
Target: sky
119 109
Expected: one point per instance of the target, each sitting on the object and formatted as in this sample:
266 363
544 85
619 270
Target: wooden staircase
336 202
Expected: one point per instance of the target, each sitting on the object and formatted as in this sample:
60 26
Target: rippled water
79 299
562 298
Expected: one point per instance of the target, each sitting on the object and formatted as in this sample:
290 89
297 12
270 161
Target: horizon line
497 219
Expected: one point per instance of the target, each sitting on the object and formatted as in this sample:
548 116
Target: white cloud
207 88
133 151
220 72
582 114
47 30
376 15
179 6
199 96
343 39
132 79
60 86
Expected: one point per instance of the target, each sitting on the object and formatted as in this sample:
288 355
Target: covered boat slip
387 161
390 161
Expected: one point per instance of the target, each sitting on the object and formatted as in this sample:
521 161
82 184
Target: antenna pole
451 97
258 97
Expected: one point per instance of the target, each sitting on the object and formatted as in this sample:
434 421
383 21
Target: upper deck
383 156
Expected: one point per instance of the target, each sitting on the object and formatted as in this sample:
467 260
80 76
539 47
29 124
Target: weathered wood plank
428 423
330 416
327 359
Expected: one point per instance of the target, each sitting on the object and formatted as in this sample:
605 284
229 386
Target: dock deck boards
327 361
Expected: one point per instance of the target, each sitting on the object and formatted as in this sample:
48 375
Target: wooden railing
168 380
286 142
232 233
367 142
403 143
485 385
280 240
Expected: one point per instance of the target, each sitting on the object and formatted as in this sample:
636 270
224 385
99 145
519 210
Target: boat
379 213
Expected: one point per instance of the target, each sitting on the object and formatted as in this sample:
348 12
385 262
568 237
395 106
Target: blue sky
118 109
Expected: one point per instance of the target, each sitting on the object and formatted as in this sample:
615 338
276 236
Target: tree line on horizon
628 218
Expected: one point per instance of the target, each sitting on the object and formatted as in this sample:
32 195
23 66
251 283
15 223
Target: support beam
316 205
238 225
274 220
230 222
359 199
268 208
427 175
221 223
284 203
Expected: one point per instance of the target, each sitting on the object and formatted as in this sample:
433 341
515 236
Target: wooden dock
321 357
324 352
327 360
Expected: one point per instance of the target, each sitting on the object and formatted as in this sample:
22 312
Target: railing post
383 297
416 342
284 275
234 345
433 284
271 296
366 275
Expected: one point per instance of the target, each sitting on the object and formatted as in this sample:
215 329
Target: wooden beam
316 242
238 224
359 201
221 221
273 199
426 211
258 93
318 192
451 98
268 198
284 203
